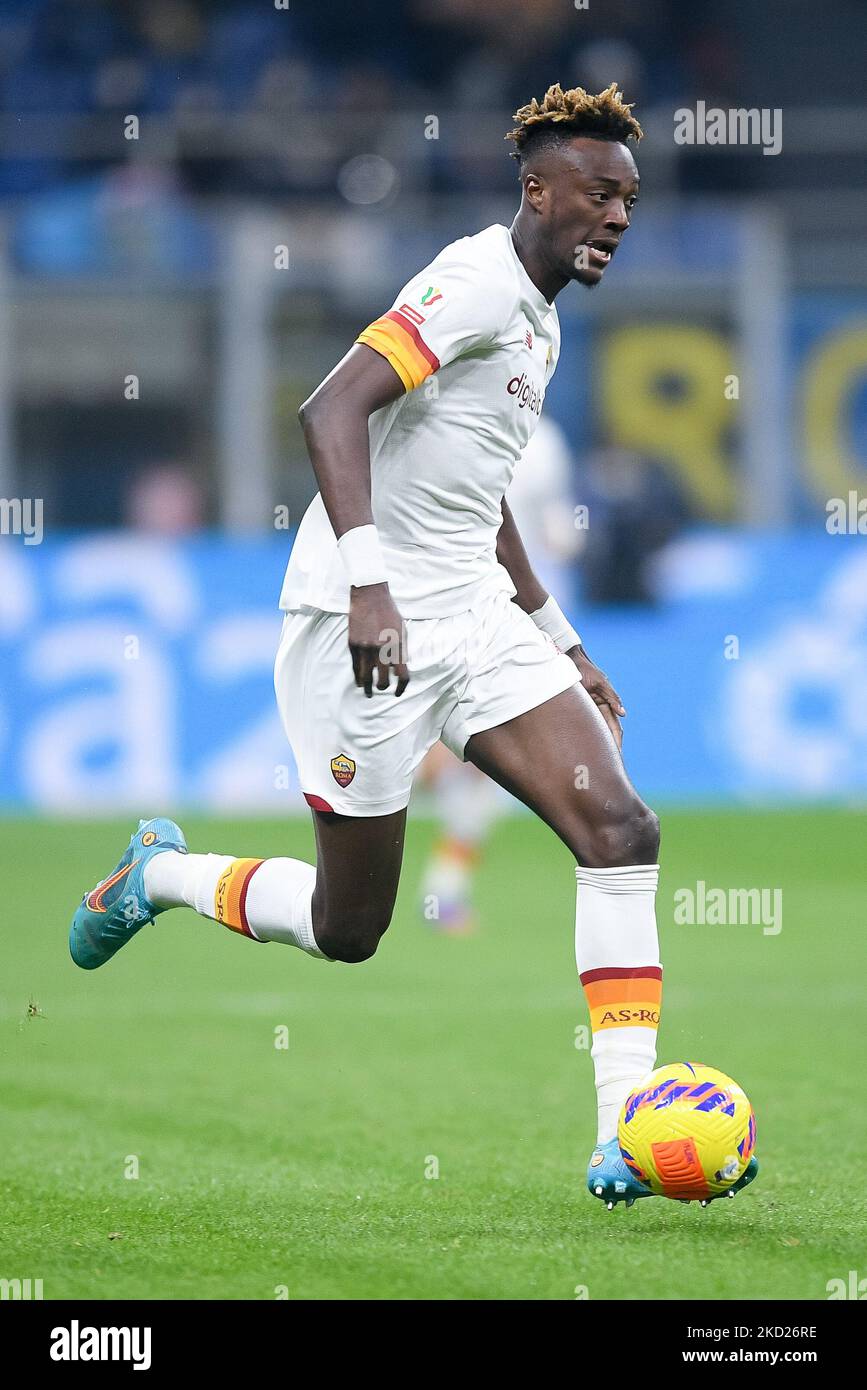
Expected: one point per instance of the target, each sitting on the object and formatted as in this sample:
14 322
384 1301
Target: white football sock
279 900
617 954
172 879
265 899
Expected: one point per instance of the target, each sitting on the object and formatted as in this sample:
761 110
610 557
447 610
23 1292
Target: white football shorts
468 672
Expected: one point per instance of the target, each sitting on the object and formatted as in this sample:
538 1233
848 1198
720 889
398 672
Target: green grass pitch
308 1169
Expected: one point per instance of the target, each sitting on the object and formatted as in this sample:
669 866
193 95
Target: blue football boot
609 1179
749 1175
118 907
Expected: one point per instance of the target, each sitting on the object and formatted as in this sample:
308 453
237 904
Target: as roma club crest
342 770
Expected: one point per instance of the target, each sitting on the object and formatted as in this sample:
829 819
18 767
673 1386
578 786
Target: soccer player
412 614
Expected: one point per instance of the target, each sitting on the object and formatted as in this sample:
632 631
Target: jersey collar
533 293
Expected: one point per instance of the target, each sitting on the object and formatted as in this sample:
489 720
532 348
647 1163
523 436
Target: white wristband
550 618
362 556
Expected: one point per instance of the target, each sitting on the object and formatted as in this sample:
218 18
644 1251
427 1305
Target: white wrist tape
362 557
550 618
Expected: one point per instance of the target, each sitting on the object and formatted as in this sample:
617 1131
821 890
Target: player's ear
534 190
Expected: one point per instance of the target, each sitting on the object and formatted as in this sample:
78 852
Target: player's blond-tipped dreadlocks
575 112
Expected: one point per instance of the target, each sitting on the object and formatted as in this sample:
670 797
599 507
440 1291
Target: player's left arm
532 596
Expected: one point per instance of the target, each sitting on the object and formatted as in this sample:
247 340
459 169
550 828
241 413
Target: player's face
588 192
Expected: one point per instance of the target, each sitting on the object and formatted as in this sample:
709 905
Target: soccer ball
687 1131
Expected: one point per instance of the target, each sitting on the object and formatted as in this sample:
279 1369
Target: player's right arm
335 424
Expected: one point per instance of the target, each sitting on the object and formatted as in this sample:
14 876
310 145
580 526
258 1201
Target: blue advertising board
137 672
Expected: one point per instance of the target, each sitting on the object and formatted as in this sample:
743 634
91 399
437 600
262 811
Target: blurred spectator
542 501
128 221
165 498
634 508
174 60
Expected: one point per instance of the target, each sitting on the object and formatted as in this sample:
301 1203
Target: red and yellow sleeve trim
619 998
230 896
398 340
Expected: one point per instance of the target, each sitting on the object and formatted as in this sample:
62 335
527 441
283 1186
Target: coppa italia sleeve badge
342 769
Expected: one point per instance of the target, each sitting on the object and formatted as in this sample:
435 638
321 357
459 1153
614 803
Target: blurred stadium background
201 204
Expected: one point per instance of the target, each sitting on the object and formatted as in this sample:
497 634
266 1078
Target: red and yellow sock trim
398 340
230 895
623 998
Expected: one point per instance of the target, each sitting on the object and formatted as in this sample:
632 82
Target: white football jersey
475 344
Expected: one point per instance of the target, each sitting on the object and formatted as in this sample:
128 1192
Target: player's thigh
561 760
358 863
357 756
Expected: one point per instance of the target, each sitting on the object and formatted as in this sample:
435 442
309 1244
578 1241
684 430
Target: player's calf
351 936
357 874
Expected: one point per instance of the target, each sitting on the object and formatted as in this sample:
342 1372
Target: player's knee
628 835
647 836
352 939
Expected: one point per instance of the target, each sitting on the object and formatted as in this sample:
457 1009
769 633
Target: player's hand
377 639
601 692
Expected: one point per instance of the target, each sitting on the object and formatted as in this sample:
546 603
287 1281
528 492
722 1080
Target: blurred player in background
466 802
